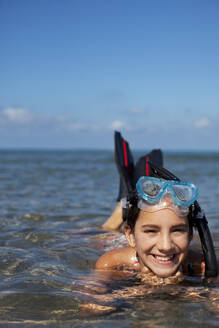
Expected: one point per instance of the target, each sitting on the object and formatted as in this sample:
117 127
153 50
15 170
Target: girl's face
161 240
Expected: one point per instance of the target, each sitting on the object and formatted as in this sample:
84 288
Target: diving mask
156 194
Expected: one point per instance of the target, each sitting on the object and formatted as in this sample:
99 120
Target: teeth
161 258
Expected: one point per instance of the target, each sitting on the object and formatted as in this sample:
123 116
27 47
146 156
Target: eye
150 231
180 230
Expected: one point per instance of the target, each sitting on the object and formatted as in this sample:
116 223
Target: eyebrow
157 225
150 226
180 225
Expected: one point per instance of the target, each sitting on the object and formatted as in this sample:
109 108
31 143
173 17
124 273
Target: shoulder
125 256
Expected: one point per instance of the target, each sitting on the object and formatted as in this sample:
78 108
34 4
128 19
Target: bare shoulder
125 256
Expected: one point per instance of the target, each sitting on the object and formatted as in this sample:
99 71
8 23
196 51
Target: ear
129 233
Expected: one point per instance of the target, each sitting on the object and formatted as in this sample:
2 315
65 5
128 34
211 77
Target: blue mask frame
182 193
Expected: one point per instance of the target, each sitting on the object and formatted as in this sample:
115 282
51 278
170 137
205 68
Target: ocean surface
53 204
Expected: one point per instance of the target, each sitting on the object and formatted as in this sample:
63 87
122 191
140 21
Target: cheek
143 242
182 241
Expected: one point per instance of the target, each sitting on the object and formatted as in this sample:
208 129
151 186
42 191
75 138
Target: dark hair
130 215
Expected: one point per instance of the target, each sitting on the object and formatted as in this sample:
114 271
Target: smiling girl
158 239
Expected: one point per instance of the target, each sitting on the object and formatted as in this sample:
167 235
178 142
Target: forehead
163 217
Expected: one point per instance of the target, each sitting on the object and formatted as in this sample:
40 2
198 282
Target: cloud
22 118
204 122
21 126
117 124
16 115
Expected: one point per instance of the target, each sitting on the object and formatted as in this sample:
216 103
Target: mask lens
151 188
183 193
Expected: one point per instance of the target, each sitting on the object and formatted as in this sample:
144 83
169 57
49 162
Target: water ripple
52 205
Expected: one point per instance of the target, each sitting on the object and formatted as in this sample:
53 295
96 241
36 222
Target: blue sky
73 71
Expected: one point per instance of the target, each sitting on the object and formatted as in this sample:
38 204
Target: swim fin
125 165
143 168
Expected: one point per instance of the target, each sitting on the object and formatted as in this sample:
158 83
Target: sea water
52 206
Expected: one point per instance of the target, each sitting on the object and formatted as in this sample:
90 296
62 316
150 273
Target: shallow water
52 205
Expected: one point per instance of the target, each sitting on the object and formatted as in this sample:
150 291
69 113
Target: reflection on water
52 205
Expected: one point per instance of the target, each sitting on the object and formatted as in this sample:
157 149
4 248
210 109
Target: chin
164 269
165 273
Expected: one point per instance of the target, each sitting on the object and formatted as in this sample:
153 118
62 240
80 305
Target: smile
164 259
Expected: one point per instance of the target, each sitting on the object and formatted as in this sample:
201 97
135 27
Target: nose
165 243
